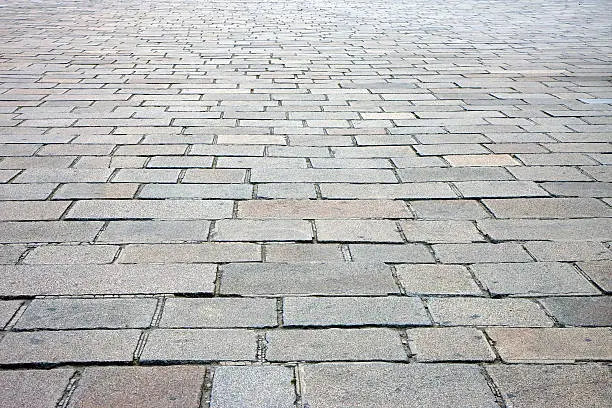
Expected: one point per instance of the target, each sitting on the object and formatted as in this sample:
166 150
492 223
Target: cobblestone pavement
308 204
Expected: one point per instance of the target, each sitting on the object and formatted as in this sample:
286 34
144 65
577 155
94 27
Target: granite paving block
87 313
437 280
31 210
49 231
262 230
548 208
8 308
206 191
481 253
548 386
10 254
77 191
531 279
449 210
155 387
69 346
440 231
105 279
552 345
285 252
354 311
449 344
71 254
307 279
202 252
391 253
579 189
387 191
482 189
36 191
357 231
33 388
599 272
119 232
388 385
263 386
568 251
199 345
580 311
593 229
335 345
219 312
487 312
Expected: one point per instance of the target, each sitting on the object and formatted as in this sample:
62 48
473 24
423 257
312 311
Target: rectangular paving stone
449 344
261 386
308 279
580 311
552 345
49 231
69 346
71 254
322 176
568 251
10 254
262 230
440 231
103 279
286 190
481 189
303 253
75 313
219 312
64 176
202 252
548 208
76 191
386 385
199 345
481 253
459 160
208 191
357 231
531 279
154 231
154 387
261 162
391 253
535 386
33 388
453 174
387 191
31 210
437 280
146 176
487 312
215 176
579 188
354 311
150 209
593 229
322 209
179 162
548 173
448 210
38 191
335 345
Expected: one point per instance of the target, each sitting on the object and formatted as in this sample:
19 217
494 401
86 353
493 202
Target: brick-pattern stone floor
315 204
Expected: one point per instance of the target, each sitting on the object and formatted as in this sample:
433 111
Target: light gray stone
449 210
391 253
548 208
440 231
568 251
481 253
262 230
449 344
71 254
600 272
10 254
8 308
437 280
303 253
589 229
120 232
191 253
33 388
357 231
580 311
49 231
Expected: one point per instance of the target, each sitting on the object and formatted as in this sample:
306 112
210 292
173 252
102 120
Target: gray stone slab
199 345
453 174
105 279
308 279
150 209
590 229
33 388
387 191
69 346
357 231
262 230
459 311
481 189
71 254
322 176
128 232
49 231
440 231
31 210
391 253
244 387
449 344
335 345
531 279
600 272
481 253
548 208
449 210
385 385
10 254
38 191
354 311
551 386
437 280
580 311
579 189
76 191
119 313
568 251
285 252
208 191
191 253
286 190
152 387
219 312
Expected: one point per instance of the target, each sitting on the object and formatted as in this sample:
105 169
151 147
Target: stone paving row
308 204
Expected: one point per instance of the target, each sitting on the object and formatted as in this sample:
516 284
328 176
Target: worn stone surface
172 386
7 311
580 311
449 344
437 280
548 386
235 387
386 385
33 388
354 311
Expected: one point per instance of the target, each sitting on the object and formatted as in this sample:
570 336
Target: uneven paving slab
33 388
